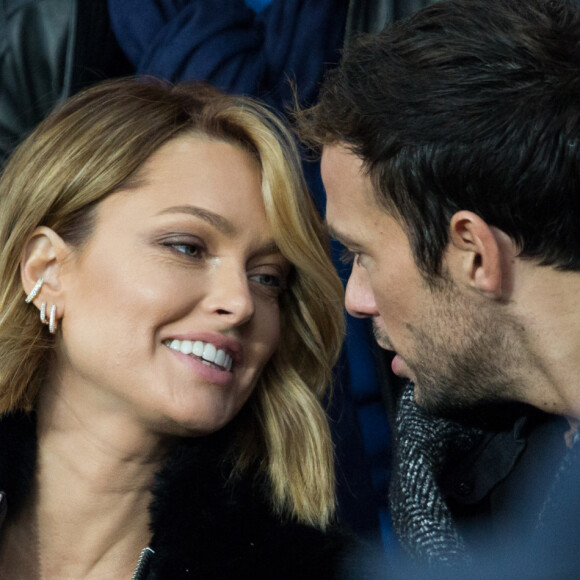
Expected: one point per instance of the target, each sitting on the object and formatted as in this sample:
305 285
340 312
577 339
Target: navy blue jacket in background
231 46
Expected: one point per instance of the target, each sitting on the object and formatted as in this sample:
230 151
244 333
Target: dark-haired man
451 160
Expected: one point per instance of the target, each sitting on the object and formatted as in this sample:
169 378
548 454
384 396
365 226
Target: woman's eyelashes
267 279
190 248
272 284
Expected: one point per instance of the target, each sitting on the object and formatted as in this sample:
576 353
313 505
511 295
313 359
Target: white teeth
209 352
186 346
197 348
220 358
205 350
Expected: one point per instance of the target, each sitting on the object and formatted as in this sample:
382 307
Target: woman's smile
215 358
206 352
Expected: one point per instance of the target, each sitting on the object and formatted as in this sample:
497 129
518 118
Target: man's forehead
345 177
338 156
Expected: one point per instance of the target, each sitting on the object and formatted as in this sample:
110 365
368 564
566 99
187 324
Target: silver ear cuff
34 292
51 321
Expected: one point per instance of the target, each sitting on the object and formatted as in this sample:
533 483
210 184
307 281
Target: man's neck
547 302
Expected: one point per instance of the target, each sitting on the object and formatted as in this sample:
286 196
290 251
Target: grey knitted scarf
421 519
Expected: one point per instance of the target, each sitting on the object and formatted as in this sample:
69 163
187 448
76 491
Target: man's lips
399 367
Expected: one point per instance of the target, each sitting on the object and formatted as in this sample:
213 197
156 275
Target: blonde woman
168 321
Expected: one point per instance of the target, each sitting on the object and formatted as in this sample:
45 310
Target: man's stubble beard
465 356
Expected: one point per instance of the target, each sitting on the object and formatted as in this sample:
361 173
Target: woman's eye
270 284
188 249
267 280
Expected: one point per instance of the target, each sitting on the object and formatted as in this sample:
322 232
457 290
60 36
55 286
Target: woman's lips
212 356
207 371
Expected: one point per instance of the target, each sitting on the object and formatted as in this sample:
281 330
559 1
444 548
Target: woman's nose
230 295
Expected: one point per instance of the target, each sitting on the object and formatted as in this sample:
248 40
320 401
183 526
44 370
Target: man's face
448 342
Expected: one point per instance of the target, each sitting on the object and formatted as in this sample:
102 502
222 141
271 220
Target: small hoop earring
52 320
34 292
43 313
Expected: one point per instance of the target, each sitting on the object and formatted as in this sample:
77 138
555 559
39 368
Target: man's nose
359 297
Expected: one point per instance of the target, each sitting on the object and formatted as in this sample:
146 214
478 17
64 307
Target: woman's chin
195 423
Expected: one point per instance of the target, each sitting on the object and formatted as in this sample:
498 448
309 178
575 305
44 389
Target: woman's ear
42 259
480 255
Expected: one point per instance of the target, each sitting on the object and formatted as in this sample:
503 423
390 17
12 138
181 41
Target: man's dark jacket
486 504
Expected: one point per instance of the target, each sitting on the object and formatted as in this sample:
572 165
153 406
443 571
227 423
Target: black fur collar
202 526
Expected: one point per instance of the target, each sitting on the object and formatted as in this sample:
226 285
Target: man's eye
348 257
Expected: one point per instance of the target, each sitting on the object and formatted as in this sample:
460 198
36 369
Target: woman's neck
87 513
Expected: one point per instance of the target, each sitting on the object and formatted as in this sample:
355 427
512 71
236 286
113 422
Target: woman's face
171 310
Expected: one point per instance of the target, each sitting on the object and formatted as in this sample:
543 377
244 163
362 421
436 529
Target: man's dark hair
468 104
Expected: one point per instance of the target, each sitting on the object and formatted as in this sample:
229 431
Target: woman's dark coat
202 528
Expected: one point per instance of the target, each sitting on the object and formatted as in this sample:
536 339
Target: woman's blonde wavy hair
91 147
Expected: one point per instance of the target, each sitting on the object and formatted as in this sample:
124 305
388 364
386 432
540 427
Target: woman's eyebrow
267 249
219 222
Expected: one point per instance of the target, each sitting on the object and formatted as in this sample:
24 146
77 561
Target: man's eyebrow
217 221
341 238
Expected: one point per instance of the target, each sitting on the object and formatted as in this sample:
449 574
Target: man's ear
480 255
43 256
